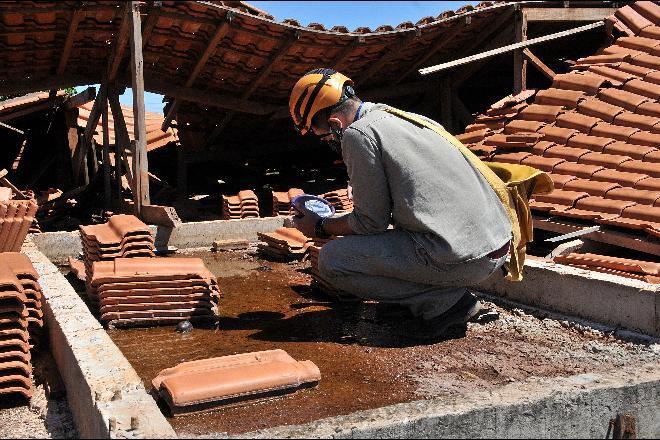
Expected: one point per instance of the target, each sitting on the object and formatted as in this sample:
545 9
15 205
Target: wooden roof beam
540 65
76 18
220 33
390 54
567 14
87 95
119 47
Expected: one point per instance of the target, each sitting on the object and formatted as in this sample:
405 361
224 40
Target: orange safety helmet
318 89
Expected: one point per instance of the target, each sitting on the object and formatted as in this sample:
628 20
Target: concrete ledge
572 407
600 297
101 384
58 246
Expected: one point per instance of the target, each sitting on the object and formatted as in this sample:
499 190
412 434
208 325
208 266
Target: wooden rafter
519 61
284 48
220 33
87 95
76 18
122 139
119 46
540 65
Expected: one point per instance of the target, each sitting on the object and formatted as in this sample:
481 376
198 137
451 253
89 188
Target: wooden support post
85 141
140 164
107 196
540 65
122 140
87 95
519 61
446 116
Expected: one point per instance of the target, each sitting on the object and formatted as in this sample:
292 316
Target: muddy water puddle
366 357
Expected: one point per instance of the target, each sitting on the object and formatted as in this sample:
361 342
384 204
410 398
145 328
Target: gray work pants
392 267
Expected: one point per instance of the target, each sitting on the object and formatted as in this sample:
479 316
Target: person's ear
336 123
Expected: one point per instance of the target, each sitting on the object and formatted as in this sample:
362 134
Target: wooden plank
119 46
75 101
6 183
140 164
10 128
106 155
219 34
23 86
122 140
647 244
95 114
540 65
567 14
76 18
509 48
519 61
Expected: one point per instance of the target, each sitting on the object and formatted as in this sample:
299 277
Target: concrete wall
100 382
609 299
573 407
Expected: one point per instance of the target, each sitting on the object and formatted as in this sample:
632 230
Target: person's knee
330 259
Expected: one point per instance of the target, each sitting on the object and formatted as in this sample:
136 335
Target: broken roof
596 130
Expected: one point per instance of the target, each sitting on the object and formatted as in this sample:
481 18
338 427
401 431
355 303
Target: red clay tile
564 98
653 77
594 207
625 149
616 263
542 163
559 135
560 180
576 81
629 101
650 10
577 121
510 157
630 119
602 159
643 212
595 107
541 146
616 49
643 88
620 177
635 70
473 136
519 125
593 143
148 269
646 60
614 76
507 112
602 59
578 170
543 113
206 384
603 129
649 109
652 184
634 195
513 141
653 156
570 154
638 43
637 166
558 199
645 138
475 127
632 19
590 187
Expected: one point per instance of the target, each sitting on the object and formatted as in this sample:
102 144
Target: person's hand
306 223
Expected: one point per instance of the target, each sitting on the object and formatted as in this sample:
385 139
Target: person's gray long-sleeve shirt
416 180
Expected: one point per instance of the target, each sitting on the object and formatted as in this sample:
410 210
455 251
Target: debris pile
636 269
243 205
21 319
207 384
282 201
151 291
285 244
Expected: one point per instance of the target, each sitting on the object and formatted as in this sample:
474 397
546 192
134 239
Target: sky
351 14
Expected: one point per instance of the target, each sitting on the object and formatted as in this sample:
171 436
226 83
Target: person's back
415 179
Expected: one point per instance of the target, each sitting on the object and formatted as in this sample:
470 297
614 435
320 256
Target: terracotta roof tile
630 119
621 177
599 109
639 71
577 121
592 208
637 166
646 138
602 59
560 180
626 149
511 157
578 81
603 129
559 135
646 60
519 125
648 9
565 98
512 141
653 156
593 143
639 43
570 154
474 136
632 19
543 113
640 196
629 101
557 199
649 109
615 76
651 32
589 186
643 212
542 163
540 147
616 263
643 88
603 159
652 184
616 49
578 170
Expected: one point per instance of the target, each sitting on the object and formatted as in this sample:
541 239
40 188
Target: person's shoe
467 309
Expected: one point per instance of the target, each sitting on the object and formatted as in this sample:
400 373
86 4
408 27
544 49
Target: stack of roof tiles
243 205
16 218
318 280
640 270
206 384
21 317
284 244
282 201
147 291
122 236
596 130
339 199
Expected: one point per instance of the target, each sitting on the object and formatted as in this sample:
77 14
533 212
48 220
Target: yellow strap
513 197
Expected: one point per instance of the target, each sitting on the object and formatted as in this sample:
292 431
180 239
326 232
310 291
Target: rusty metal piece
623 426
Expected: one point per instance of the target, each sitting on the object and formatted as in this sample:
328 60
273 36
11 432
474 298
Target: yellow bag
514 185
